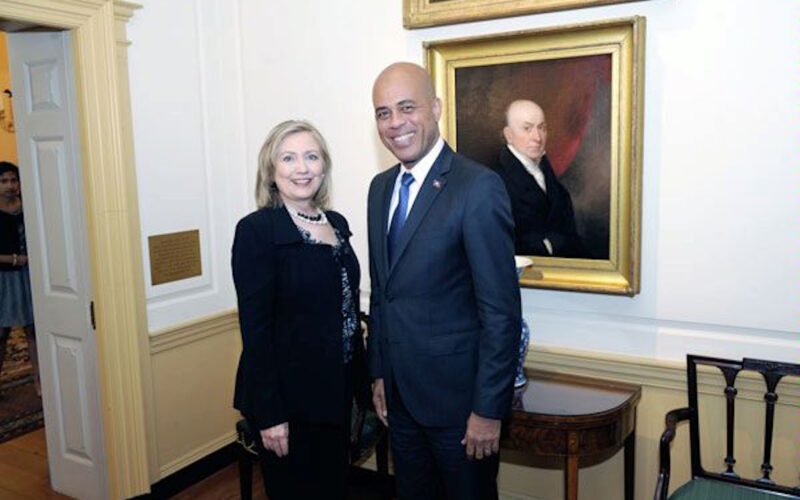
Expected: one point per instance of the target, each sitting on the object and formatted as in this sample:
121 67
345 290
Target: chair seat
705 489
369 435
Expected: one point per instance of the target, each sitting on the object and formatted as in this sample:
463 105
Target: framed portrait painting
425 13
587 82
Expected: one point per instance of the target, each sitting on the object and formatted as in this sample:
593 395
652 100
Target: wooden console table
569 421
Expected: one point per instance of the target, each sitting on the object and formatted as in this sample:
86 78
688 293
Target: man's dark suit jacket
538 215
445 317
290 313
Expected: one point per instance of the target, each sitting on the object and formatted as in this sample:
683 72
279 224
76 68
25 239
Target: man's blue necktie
399 216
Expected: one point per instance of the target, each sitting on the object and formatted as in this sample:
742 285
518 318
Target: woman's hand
276 439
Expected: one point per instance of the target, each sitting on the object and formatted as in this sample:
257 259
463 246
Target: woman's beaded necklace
318 219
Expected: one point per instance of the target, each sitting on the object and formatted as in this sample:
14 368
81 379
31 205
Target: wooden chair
247 456
727 484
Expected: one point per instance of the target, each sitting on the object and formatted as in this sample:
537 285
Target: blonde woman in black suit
297 280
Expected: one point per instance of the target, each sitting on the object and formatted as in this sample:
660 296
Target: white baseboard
511 495
196 454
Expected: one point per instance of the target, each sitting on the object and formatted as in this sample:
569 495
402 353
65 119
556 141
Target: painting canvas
575 96
587 79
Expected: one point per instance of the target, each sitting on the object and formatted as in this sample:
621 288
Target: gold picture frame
425 13
477 77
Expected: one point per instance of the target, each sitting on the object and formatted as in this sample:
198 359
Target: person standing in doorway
16 306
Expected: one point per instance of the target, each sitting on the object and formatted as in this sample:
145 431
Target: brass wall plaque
174 256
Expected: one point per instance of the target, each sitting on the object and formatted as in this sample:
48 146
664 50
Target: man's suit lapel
434 184
384 218
553 194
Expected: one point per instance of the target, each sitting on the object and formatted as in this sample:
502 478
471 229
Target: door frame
98 29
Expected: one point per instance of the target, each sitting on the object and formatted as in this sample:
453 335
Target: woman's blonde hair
267 194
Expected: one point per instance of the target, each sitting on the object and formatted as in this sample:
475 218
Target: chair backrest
772 373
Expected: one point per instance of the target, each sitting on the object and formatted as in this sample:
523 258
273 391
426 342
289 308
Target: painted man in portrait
544 218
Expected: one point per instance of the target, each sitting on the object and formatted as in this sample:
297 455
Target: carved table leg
630 464
571 477
571 466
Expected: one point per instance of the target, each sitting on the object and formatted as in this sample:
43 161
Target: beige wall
8 144
194 367
193 372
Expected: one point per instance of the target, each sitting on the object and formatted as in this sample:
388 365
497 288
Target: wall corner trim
112 227
656 373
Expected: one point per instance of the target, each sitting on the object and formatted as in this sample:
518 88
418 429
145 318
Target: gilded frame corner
426 13
622 42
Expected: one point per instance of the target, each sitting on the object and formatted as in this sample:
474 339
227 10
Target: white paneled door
52 195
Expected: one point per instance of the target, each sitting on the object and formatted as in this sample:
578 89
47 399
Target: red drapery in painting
568 99
566 89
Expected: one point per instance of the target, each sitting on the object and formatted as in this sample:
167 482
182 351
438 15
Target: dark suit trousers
431 462
315 468
318 463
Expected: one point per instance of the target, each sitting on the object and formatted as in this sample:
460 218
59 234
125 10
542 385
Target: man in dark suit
445 305
544 220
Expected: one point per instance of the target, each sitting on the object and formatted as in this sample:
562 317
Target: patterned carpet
20 407
17 363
